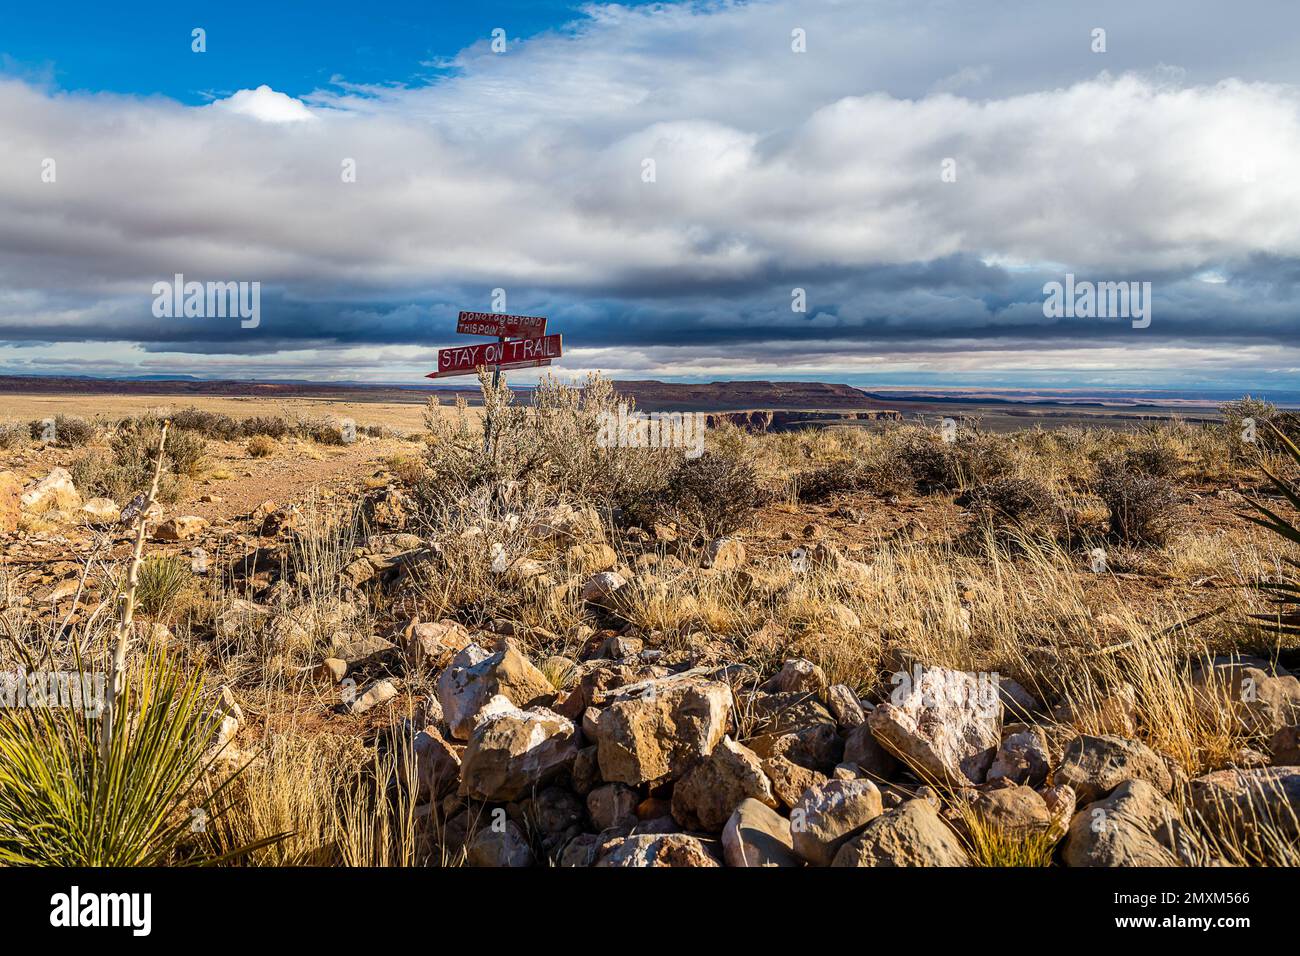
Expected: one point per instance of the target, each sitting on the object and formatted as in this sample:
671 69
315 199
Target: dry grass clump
991 844
261 446
409 470
289 793
163 581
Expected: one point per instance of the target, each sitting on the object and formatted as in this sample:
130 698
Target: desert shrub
269 426
323 431
557 442
1140 504
127 468
1011 499
13 435
261 446
569 423
136 442
90 473
1153 458
1012 508
713 494
935 464
66 431
872 475
1263 417
73 432
838 478
985 457
208 424
927 459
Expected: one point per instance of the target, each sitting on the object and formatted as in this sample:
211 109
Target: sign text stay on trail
516 353
521 342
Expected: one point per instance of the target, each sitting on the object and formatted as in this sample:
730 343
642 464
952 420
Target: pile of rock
641 764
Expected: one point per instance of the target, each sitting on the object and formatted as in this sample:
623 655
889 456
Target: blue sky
664 181
143 47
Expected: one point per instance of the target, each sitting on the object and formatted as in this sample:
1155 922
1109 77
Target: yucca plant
1285 594
67 800
110 776
163 579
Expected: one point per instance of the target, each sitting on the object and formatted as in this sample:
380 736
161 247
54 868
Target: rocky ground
836 684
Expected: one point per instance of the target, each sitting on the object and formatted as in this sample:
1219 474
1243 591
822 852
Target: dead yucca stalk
122 632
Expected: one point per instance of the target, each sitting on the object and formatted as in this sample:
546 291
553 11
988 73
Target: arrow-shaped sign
524 353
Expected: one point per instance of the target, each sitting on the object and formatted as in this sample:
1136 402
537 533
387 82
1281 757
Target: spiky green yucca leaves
1286 593
62 803
163 578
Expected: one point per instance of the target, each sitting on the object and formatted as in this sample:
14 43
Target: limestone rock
54 491
912 835
724 554
435 643
660 849
756 835
474 677
1284 746
863 750
600 589
1012 809
1022 758
795 675
437 764
1094 766
612 805
1261 699
654 731
180 528
1133 826
789 780
828 816
844 707
101 511
505 846
707 793
374 695
513 751
941 724
1253 804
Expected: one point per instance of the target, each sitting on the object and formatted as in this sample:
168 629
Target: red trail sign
524 353
508 326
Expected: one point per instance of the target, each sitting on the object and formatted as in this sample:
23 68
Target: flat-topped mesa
770 420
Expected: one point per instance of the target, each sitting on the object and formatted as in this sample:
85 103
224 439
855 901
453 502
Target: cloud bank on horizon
660 180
